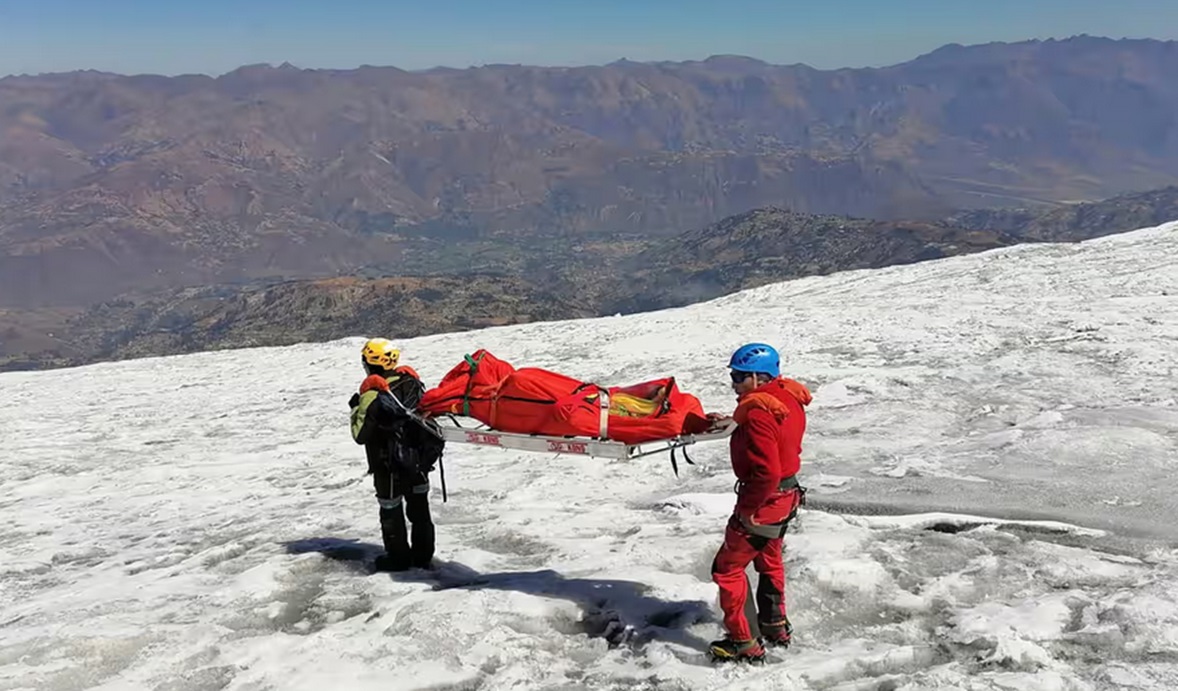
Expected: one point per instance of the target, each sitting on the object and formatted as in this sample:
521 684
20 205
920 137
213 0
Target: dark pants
400 497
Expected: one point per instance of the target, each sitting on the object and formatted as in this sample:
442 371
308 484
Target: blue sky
215 36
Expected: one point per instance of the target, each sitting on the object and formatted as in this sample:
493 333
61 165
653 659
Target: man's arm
361 429
765 466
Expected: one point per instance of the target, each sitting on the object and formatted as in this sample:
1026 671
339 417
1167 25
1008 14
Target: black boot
777 634
388 562
728 650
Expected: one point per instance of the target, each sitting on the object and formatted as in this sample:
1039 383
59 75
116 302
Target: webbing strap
603 423
474 369
675 463
785 485
665 392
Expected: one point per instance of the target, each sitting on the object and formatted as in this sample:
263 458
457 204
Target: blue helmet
759 358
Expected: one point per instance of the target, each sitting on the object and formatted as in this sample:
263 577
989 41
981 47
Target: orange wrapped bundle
531 400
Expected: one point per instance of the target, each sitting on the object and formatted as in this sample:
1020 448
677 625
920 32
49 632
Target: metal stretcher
584 446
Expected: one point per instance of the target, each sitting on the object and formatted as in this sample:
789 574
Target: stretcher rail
584 446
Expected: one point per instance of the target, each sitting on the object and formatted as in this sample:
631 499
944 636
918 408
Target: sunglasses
738 377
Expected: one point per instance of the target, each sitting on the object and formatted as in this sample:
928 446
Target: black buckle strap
788 483
785 485
675 464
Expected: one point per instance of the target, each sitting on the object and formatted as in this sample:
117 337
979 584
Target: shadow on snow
620 611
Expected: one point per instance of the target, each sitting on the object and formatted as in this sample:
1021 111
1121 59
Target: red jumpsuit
766 454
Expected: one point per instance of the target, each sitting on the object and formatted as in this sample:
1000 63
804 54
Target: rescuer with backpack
402 449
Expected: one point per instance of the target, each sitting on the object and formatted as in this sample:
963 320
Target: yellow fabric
626 405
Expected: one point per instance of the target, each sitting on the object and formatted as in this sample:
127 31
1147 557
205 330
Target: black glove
354 400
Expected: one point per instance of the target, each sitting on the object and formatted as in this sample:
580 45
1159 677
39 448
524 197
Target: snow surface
991 454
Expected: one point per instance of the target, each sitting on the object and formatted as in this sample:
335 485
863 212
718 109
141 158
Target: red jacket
767 445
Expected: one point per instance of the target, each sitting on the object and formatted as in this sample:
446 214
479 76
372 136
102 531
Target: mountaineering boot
392 562
777 634
728 650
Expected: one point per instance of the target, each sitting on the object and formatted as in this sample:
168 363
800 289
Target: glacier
989 457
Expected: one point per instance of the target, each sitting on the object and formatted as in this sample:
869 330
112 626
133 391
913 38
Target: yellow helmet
380 353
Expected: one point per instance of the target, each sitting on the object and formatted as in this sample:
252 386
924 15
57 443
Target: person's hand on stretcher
718 420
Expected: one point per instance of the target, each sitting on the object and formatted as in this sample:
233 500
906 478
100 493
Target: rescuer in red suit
765 450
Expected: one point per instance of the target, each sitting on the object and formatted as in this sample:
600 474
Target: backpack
415 444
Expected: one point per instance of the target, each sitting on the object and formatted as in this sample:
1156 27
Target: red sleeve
764 464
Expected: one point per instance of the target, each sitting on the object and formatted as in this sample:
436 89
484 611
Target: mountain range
137 204
749 250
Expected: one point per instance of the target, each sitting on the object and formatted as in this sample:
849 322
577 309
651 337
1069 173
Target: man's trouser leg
393 531
771 583
773 622
415 490
728 572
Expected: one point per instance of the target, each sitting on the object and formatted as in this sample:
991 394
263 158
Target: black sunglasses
738 377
